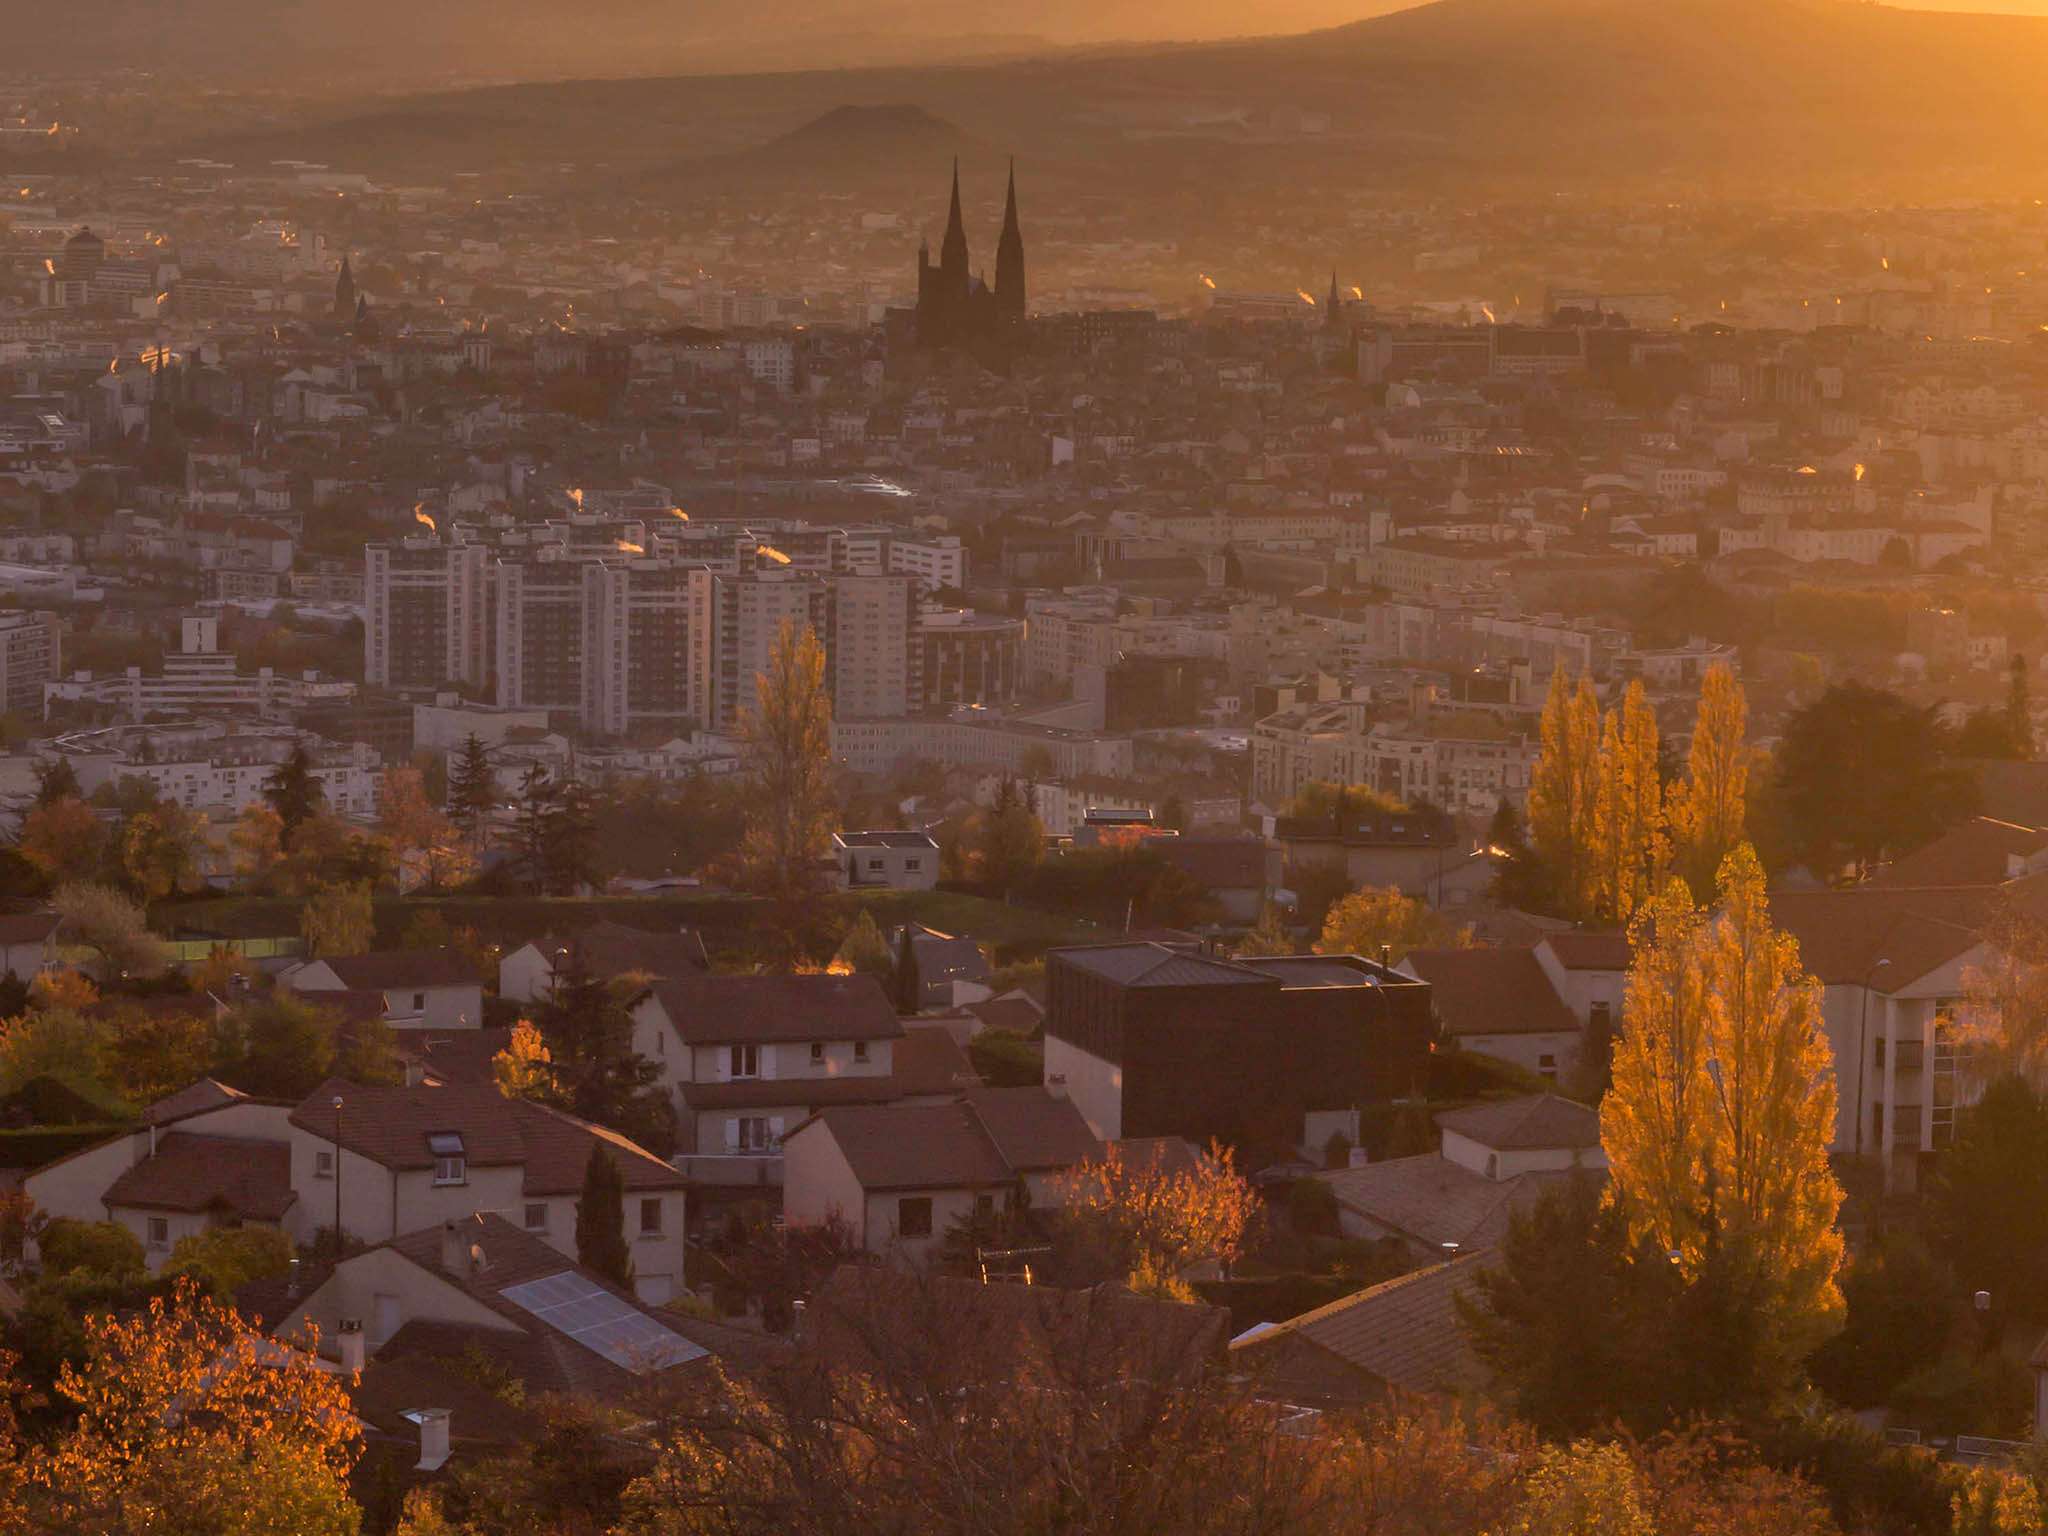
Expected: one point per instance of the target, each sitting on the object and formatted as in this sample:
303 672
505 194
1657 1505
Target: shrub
99 1248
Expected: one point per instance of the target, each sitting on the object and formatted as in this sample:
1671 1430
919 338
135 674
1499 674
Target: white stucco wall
818 1182
1528 1050
1095 1086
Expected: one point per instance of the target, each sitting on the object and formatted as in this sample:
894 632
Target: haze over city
1216 769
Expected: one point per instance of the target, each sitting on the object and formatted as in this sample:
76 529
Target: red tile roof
247 1179
1491 992
390 1126
1406 1332
713 1010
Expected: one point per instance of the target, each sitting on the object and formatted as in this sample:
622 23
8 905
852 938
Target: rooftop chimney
291 1278
433 1423
454 1252
348 1338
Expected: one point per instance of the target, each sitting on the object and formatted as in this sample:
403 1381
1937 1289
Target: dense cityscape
1070 815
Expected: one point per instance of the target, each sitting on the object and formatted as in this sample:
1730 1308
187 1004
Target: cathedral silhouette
957 308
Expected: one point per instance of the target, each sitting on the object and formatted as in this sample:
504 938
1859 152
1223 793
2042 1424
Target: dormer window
450 1166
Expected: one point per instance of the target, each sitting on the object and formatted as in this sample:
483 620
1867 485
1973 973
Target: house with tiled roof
205 1156
748 1057
1499 1003
427 1298
28 943
900 1177
1402 1338
387 1160
421 988
605 949
1495 1159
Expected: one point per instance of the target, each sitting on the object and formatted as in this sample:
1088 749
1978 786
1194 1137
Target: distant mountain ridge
1720 97
408 43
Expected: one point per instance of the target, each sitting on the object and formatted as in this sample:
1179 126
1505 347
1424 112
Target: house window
323 1165
419 1002
754 1135
875 866
817 1053
537 1216
1546 1066
650 1218
159 1232
1877 1122
860 1050
1600 1016
745 1061
1878 1043
449 1166
914 1217
912 866
984 1207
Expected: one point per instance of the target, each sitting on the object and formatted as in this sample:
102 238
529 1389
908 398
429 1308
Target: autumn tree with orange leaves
189 1421
1723 1106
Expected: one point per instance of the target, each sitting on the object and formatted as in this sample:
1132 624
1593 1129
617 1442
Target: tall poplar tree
788 734
1717 1125
1628 850
1564 791
1708 805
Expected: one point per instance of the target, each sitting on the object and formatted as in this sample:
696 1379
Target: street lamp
1863 1046
337 1178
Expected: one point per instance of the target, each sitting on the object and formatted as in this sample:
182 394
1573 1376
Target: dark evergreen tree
909 986
57 780
597 1073
293 791
570 840
472 789
601 1219
537 795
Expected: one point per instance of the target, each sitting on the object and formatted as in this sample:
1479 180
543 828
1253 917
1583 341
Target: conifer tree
601 1219
472 789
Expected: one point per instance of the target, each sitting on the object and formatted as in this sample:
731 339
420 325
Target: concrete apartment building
425 614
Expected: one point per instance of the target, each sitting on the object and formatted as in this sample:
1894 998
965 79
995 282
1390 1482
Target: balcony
1912 1055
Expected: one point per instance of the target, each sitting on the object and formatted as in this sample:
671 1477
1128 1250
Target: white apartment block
218 766
872 661
196 680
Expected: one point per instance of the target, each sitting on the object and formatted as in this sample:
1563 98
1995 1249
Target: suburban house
407 1158
421 988
951 972
900 1177
1403 1337
1496 1159
1239 872
605 949
895 861
748 1057
1893 961
28 943
1499 1003
1154 1040
206 1156
410 1158
480 1283
1411 850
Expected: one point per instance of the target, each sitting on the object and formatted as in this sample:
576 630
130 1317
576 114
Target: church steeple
1335 307
953 249
1010 257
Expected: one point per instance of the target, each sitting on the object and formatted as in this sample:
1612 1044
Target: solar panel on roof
603 1323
